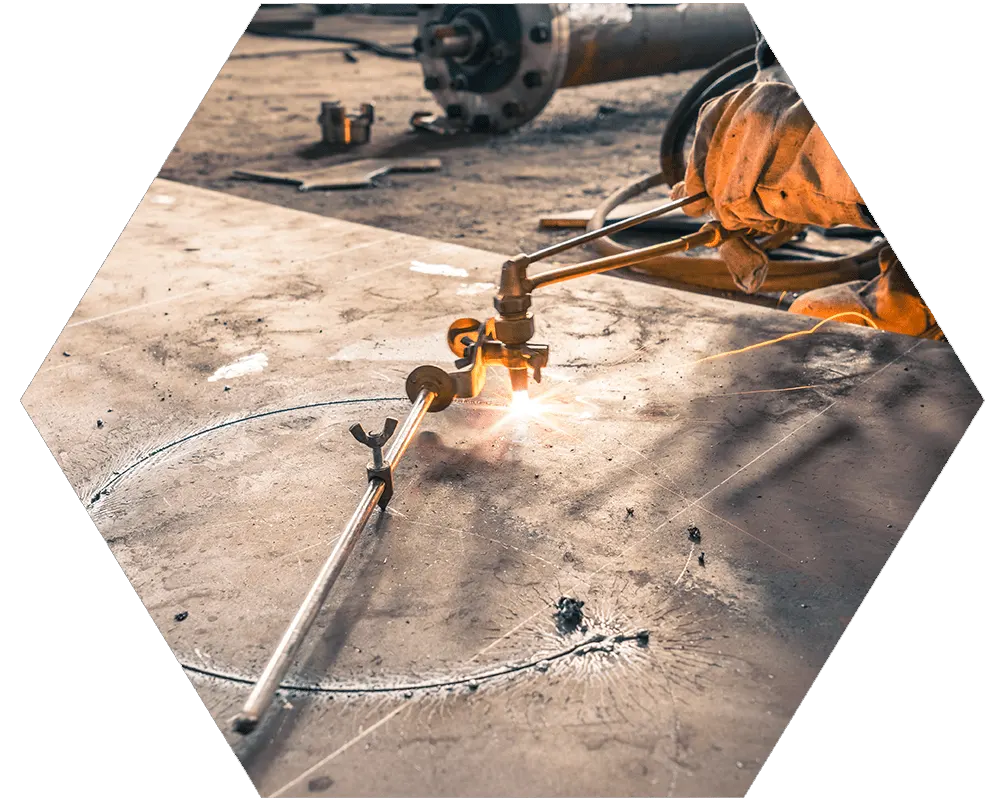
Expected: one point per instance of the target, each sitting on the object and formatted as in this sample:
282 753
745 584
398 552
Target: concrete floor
226 345
261 111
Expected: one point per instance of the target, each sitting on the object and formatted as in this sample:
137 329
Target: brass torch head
514 326
514 323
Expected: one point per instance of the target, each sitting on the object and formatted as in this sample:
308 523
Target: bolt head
459 83
515 331
540 33
532 79
511 110
432 83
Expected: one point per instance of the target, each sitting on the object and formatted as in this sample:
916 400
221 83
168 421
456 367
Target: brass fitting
514 325
478 346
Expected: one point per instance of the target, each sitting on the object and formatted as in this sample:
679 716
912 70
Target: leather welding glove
890 301
765 164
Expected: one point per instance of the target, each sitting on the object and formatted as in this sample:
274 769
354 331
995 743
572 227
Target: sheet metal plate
227 345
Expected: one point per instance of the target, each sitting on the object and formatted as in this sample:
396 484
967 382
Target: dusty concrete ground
262 109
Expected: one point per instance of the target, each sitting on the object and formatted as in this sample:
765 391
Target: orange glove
765 164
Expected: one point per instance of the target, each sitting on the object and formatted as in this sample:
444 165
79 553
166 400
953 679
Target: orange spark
794 335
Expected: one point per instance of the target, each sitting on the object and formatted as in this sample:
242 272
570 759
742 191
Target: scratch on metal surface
686 565
594 643
137 456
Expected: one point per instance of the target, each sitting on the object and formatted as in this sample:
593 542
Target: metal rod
404 436
270 679
607 230
705 236
452 46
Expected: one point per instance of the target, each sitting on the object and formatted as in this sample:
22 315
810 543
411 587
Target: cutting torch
502 340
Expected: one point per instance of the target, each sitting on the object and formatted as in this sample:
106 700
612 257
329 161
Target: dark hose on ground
401 52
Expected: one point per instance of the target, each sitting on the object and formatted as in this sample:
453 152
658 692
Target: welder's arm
765 163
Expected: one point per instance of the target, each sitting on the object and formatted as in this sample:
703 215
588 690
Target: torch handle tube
615 227
705 236
270 679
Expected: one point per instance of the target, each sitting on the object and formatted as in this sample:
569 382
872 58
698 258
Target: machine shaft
496 66
277 667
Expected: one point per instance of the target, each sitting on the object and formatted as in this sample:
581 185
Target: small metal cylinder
342 130
452 46
523 53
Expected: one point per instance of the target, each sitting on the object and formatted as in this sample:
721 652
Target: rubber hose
400 53
686 113
712 273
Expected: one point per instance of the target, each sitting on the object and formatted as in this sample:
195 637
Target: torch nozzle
518 380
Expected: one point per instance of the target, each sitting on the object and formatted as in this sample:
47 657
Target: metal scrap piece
361 174
434 123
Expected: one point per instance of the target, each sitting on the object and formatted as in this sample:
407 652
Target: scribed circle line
107 486
593 644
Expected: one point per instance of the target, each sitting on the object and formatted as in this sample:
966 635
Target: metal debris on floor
361 174
441 124
342 131
569 615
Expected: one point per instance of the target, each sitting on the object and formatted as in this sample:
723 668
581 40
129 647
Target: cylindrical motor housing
494 67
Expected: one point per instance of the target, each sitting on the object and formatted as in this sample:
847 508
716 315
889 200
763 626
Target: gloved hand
765 164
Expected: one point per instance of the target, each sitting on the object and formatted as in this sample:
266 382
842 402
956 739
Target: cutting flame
522 412
521 405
